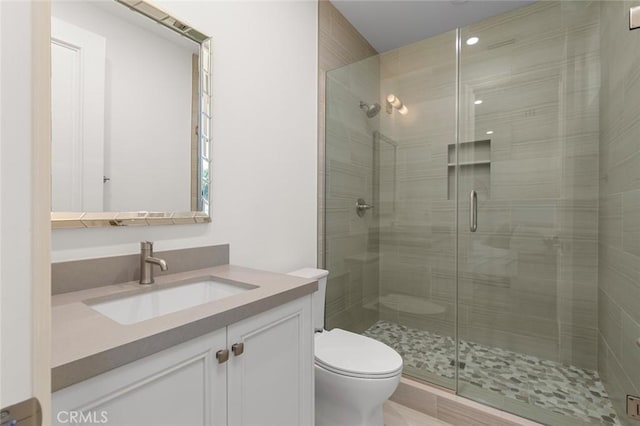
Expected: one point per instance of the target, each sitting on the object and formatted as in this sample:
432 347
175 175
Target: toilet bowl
354 374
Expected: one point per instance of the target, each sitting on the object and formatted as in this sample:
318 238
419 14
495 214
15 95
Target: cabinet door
271 382
183 385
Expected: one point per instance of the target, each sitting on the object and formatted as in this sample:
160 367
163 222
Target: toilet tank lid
310 273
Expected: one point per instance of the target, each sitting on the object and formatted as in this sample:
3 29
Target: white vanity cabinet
267 379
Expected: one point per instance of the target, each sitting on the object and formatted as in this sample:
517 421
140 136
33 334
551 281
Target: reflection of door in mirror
149 115
77 91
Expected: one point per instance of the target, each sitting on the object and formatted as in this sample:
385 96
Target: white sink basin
151 304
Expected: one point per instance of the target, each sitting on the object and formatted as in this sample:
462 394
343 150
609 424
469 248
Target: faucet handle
146 245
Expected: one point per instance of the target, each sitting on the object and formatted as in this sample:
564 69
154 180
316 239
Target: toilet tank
318 297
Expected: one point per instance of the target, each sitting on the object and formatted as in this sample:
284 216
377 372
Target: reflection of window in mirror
125 101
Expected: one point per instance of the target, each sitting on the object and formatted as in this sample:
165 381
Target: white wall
264 141
147 122
15 203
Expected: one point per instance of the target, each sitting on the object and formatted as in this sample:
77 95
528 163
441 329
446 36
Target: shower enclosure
482 209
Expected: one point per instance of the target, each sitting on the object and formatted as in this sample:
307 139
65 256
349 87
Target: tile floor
562 389
399 415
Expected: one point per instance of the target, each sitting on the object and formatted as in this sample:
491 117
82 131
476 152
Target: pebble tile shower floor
562 389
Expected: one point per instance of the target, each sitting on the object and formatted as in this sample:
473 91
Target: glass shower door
392 267
416 207
527 174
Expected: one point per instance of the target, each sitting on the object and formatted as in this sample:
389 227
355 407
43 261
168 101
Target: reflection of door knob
362 207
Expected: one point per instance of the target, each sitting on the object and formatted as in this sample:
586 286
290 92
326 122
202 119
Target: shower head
371 110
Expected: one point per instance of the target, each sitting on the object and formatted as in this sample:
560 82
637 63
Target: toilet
354 374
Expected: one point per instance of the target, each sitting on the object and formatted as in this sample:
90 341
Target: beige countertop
86 343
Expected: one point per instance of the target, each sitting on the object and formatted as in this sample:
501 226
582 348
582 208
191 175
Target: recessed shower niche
474 162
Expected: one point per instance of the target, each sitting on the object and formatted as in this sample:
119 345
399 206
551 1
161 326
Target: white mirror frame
61 220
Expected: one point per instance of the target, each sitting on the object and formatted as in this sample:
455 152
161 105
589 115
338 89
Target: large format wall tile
619 222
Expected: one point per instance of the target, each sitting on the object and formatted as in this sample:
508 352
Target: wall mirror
131 116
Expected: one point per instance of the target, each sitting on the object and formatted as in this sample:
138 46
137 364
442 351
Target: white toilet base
343 400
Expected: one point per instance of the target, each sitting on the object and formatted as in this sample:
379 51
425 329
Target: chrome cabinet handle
222 356
362 207
237 348
473 211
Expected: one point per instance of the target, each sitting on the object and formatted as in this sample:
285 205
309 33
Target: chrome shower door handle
473 211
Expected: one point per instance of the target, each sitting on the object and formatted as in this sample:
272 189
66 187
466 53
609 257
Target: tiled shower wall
528 277
619 232
347 160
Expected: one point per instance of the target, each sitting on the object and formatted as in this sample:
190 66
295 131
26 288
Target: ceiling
388 24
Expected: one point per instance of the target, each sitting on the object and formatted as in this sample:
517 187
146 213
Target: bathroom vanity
243 359
206 343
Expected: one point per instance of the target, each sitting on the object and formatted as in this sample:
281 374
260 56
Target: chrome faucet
147 261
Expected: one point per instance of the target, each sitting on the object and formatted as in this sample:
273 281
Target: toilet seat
354 355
